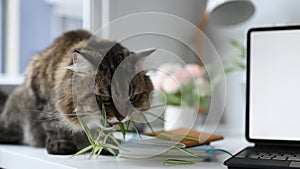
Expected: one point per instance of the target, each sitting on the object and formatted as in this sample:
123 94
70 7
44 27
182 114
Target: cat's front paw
61 147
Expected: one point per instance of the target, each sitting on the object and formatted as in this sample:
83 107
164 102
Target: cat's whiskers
83 114
48 119
51 116
36 110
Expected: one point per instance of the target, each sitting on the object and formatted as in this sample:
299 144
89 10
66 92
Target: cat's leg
65 143
59 140
19 120
11 130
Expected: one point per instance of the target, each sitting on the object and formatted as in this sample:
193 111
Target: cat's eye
134 98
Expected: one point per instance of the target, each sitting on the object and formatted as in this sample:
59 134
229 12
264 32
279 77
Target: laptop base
265 158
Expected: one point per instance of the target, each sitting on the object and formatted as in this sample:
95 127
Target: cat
72 79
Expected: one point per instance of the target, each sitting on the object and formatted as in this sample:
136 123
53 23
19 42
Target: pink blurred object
171 77
195 70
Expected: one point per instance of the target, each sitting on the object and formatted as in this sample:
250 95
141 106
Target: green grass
177 161
97 145
100 143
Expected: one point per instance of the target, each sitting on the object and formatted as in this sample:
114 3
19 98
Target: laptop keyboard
254 154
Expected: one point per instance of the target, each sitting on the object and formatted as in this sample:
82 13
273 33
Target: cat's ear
81 62
140 56
88 56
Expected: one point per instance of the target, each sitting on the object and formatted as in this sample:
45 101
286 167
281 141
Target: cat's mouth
112 124
114 121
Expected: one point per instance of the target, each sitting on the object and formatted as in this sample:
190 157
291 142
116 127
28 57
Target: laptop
272 100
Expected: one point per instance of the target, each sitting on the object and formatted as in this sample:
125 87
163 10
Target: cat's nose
115 116
121 118
114 121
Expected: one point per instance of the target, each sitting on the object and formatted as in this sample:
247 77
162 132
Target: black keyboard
267 155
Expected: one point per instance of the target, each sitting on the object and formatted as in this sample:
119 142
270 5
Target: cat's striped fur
42 111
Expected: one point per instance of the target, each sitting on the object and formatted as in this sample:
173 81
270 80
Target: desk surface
13 157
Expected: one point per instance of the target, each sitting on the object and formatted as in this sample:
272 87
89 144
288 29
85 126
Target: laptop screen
273 84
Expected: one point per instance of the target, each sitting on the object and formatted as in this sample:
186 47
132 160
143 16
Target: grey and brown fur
71 79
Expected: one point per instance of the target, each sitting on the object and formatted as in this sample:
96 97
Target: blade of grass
137 130
156 106
177 161
162 137
111 151
96 147
170 135
96 150
101 147
82 151
128 124
107 145
127 131
123 130
147 122
93 151
114 140
103 111
87 132
154 115
99 151
185 151
187 137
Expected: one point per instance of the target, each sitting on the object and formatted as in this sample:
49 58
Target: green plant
233 63
236 61
185 86
179 161
97 145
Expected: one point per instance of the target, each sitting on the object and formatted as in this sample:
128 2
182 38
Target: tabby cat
70 79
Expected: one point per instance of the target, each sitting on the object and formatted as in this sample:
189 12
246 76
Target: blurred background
28 27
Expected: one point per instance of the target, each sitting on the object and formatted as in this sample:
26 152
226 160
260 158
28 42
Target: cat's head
109 76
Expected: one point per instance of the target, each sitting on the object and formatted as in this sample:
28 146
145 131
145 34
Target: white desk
15 157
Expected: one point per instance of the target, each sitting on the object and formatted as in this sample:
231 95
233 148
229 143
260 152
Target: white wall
191 10
268 13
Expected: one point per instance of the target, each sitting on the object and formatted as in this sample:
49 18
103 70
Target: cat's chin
113 121
98 125
109 128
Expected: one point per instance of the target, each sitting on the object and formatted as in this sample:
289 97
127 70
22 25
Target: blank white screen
274 108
